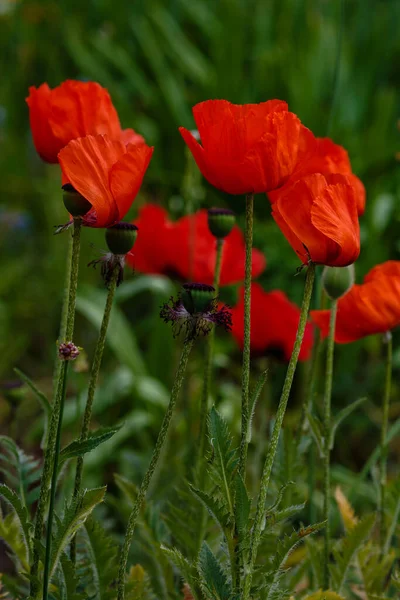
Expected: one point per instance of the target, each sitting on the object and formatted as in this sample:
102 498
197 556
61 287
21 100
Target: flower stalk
51 452
246 341
384 428
327 424
188 344
269 461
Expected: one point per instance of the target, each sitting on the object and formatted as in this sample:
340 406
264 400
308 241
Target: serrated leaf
70 579
137 585
102 559
324 595
242 507
128 488
74 517
341 416
224 457
346 549
21 471
185 568
317 432
253 401
81 447
213 579
217 509
23 516
43 401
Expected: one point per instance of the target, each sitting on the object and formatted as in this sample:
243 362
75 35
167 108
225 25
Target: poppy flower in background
318 216
105 172
274 321
322 155
164 247
245 147
73 109
368 308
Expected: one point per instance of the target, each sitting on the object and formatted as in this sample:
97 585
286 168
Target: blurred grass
158 58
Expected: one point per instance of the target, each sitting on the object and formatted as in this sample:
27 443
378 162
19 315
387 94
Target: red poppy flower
369 308
245 148
318 216
169 248
322 155
105 172
73 109
274 321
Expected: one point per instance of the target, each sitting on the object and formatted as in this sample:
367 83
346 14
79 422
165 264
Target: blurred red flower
165 247
322 155
368 308
73 109
318 216
245 147
105 172
274 321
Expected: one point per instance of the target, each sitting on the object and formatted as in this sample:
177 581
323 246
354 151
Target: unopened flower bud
337 281
197 297
68 351
220 221
74 202
121 237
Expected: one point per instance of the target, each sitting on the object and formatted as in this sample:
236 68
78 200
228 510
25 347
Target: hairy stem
153 464
384 428
94 375
269 460
327 437
246 341
57 410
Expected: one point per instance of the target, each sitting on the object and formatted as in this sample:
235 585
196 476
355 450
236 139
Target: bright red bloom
245 147
322 155
105 172
274 321
167 248
73 109
318 216
369 308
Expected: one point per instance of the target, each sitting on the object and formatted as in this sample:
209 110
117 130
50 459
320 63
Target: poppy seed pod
74 202
337 281
121 237
197 297
220 221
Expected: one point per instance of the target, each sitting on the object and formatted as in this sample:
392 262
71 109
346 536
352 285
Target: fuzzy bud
197 297
337 281
121 237
220 221
68 351
74 202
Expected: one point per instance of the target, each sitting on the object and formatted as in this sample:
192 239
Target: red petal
46 144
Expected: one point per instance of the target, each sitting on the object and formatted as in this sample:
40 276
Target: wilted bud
121 237
220 221
197 297
74 202
337 281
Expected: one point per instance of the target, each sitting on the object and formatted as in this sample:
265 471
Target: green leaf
185 568
43 401
343 414
70 579
242 507
74 518
346 549
324 595
217 509
316 430
224 457
213 579
23 516
81 447
137 585
21 471
253 401
102 559
128 488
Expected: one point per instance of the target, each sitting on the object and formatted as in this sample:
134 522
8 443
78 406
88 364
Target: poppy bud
121 237
68 351
220 221
74 202
197 297
337 281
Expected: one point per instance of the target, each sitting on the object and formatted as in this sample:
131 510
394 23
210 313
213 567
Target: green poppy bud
74 202
197 297
121 237
337 281
220 221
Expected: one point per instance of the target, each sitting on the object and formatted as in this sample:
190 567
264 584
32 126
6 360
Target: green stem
246 341
327 438
209 358
94 375
50 451
269 461
46 573
153 464
384 428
